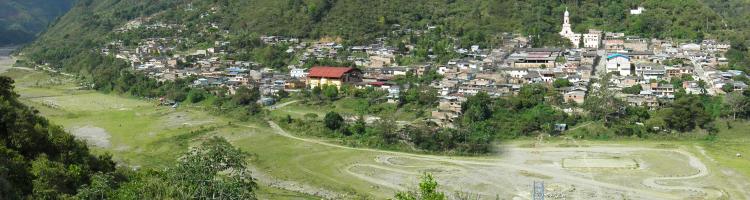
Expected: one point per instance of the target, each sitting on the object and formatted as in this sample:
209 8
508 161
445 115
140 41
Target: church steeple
566 29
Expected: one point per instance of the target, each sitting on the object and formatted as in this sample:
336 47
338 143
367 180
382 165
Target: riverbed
6 62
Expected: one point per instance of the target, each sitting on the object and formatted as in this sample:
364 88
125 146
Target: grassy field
141 134
730 142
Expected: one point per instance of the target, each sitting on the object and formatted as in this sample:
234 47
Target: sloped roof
329 72
617 55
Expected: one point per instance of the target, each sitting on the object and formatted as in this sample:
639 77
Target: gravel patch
92 135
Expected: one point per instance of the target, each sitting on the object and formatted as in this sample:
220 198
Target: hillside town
643 71
389 99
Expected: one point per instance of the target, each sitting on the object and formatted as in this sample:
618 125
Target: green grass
146 135
265 192
730 142
313 164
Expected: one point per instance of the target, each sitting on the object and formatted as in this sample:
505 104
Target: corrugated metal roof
329 72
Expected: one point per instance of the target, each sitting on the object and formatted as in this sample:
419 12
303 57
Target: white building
593 39
590 40
298 73
618 63
637 11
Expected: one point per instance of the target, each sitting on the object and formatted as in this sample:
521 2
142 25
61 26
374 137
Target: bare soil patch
92 135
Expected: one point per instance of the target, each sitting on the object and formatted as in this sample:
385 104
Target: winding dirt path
651 182
694 162
274 107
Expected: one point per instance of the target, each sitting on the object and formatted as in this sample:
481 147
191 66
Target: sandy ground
596 172
92 135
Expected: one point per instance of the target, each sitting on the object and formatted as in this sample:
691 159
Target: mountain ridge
21 21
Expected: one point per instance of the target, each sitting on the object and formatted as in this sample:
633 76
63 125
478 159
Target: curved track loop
660 191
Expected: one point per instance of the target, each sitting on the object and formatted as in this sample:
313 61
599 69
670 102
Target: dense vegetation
22 20
72 43
39 160
484 119
428 190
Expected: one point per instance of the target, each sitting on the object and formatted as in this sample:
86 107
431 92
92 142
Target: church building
591 40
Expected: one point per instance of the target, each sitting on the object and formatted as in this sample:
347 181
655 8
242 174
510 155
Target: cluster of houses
499 71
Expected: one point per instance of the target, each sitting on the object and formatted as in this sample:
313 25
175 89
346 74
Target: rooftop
329 72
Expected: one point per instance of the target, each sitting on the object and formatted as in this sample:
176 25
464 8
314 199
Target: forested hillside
22 20
38 159
474 22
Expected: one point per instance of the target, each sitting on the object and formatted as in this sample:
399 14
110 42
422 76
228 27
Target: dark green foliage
213 170
635 89
422 95
561 82
687 113
428 190
39 160
333 121
245 96
387 129
330 92
197 95
727 87
477 108
359 126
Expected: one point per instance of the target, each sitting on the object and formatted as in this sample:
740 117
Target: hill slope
39 160
89 23
22 20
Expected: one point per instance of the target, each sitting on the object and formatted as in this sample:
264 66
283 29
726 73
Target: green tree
561 82
477 108
635 89
214 169
37 159
727 88
686 113
736 103
197 95
246 96
333 120
359 126
330 92
428 190
387 129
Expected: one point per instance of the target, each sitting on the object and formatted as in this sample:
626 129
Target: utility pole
538 193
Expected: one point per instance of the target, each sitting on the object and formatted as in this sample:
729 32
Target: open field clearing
141 134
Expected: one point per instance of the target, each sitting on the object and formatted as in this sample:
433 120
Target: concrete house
618 63
338 76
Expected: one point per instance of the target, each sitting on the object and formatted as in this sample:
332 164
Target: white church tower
566 30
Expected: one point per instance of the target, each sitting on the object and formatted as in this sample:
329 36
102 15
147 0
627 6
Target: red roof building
329 72
337 76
